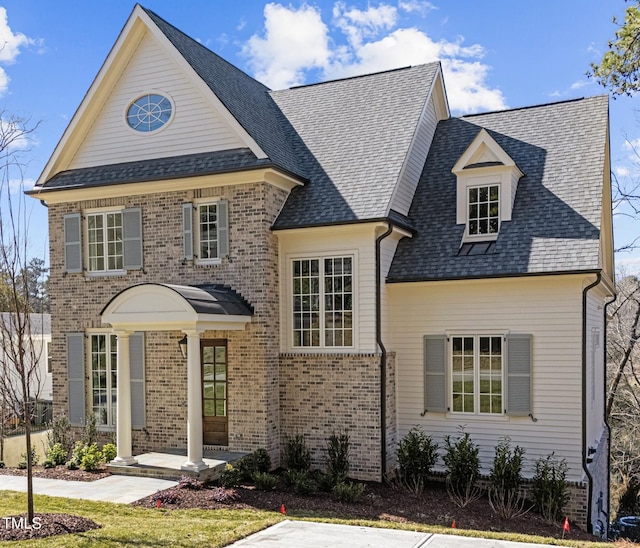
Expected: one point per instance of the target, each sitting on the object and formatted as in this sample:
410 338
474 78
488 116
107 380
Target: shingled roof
555 224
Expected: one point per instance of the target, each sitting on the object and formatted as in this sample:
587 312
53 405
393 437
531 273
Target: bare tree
20 353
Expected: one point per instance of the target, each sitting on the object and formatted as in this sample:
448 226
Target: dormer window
487 180
484 208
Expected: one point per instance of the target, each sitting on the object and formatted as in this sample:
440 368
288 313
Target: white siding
548 308
595 367
358 240
196 126
415 160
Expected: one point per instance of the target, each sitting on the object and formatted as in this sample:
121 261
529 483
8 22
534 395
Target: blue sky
496 54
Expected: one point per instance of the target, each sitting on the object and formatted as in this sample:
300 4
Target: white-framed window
207 231
483 210
477 374
48 355
323 301
105 247
103 360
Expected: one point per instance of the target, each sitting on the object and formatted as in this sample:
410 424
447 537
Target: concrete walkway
293 534
122 489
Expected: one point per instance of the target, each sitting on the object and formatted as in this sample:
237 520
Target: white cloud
293 41
296 41
416 6
628 265
580 84
20 185
10 46
622 171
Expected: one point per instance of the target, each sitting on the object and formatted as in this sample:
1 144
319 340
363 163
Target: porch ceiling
168 307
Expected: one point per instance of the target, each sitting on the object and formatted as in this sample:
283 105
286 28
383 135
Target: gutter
584 400
383 358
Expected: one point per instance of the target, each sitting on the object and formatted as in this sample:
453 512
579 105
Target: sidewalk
122 489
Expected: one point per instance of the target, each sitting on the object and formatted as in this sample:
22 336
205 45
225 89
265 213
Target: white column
123 402
194 404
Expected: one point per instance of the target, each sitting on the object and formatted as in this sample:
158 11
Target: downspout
584 399
383 357
606 418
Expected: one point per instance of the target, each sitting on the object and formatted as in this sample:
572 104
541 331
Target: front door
213 356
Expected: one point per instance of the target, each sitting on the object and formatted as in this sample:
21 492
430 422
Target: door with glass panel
213 356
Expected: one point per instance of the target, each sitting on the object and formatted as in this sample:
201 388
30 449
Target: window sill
473 417
105 274
208 262
321 350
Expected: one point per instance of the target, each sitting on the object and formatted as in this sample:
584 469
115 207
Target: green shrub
22 465
91 458
505 481
189 482
48 463
90 431
417 453
59 431
324 482
265 481
231 476
296 454
78 452
57 454
71 465
338 457
261 460
300 481
550 487
348 491
109 452
461 459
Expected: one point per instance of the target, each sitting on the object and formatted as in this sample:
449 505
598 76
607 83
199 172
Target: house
344 255
37 328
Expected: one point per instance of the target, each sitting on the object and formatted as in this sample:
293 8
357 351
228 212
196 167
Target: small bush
348 491
90 431
296 453
109 452
505 482
48 463
231 477
59 431
57 454
22 465
189 482
167 497
261 460
91 458
461 458
71 465
417 453
324 482
338 457
550 487
78 452
220 494
265 481
300 481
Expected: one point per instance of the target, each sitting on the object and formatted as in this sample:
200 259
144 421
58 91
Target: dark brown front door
213 356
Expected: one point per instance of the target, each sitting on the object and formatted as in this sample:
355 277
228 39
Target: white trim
85 230
137 96
197 229
89 333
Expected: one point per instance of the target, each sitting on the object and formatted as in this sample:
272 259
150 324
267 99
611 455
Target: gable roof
556 220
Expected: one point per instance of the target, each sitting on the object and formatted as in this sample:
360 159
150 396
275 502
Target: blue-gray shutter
75 378
519 375
73 243
187 231
435 373
223 228
136 357
132 238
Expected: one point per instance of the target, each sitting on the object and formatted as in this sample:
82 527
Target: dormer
487 180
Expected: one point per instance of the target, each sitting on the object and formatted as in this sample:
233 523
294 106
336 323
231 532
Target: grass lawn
124 525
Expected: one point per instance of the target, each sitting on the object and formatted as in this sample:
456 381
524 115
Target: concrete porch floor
168 465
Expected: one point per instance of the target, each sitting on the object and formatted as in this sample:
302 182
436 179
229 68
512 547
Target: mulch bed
44 525
378 502
59 472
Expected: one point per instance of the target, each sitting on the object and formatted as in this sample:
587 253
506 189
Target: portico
191 310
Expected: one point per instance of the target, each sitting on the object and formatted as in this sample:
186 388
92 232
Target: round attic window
149 112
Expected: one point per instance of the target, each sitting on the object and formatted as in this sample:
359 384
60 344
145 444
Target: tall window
104 359
323 302
208 231
105 241
484 207
477 374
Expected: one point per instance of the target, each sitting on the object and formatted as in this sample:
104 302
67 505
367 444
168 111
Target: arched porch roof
168 307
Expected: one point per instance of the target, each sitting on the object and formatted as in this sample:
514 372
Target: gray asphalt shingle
555 225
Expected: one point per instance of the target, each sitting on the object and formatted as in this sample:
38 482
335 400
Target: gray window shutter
187 230
136 356
73 243
132 238
223 228
435 373
519 375
75 378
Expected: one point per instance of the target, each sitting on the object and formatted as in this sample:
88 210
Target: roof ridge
529 107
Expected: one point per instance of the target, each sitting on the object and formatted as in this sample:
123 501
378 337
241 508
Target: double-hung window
323 302
205 231
477 374
103 360
484 210
105 241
